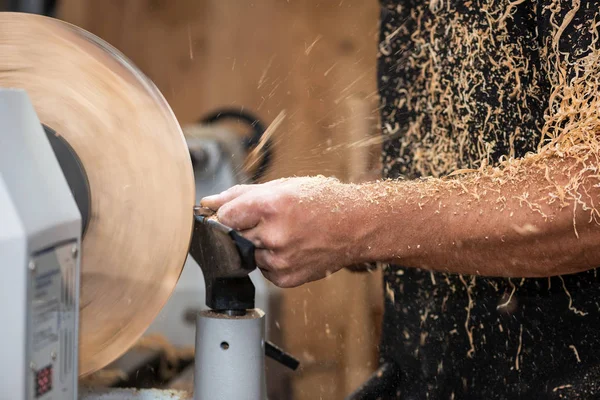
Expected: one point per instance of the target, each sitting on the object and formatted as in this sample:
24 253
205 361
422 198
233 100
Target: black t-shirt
465 84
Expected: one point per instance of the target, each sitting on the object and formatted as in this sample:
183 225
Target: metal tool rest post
230 337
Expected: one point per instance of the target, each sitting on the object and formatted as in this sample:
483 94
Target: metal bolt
32 366
31 265
74 251
53 356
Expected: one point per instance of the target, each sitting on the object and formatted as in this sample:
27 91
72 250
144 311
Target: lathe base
230 356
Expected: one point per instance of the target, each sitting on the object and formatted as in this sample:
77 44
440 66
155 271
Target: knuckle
281 263
284 281
286 199
224 214
281 201
277 280
276 241
271 206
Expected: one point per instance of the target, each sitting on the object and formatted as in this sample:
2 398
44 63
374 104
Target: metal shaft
230 356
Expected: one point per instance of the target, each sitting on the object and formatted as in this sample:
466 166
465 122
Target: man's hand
303 228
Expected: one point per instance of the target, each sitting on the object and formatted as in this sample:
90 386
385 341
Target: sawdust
310 47
389 292
571 307
172 355
254 156
102 378
519 347
561 387
508 301
575 352
468 308
169 365
439 140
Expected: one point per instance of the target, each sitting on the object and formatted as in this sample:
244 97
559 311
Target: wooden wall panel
300 55
316 60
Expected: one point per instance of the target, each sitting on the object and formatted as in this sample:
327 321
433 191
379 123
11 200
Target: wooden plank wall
316 60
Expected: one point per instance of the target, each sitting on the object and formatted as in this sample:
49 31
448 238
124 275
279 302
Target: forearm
484 225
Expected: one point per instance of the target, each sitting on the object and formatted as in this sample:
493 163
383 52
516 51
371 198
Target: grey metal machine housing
40 237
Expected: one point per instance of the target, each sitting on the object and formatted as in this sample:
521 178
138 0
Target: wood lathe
97 218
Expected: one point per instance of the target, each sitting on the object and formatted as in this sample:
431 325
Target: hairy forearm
525 226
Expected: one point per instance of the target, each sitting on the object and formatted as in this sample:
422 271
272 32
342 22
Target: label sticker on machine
45 320
52 322
48 293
